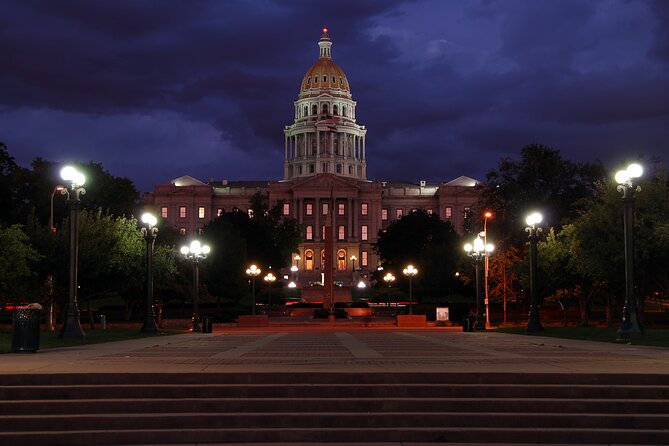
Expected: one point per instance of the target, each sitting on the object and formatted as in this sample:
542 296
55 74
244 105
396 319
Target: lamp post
297 259
196 252
533 231
630 327
389 278
269 278
254 272
353 259
72 325
58 188
479 250
486 216
410 271
149 232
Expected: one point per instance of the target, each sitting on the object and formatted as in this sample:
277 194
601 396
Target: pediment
326 181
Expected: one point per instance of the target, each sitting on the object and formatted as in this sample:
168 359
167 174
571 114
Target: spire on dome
325 45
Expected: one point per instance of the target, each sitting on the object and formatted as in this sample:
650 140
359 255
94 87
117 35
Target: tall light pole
479 250
196 253
353 276
269 278
149 231
72 325
389 278
58 188
630 327
254 272
486 216
533 231
410 271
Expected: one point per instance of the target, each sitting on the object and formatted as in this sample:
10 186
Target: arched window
309 260
341 260
339 168
306 111
335 110
314 109
343 110
325 109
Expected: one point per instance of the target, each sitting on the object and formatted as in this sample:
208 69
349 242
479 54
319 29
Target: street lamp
630 327
58 188
410 271
353 259
269 278
254 272
389 278
479 250
196 252
72 325
297 259
533 231
149 232
486 216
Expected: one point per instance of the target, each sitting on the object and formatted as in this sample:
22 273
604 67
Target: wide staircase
294 408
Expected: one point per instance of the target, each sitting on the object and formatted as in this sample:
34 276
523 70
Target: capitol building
324 182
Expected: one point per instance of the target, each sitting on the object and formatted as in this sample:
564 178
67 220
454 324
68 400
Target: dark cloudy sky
157 89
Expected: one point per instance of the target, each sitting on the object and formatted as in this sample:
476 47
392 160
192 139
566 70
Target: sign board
442 314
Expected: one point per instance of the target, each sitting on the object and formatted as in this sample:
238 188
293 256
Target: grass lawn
49 339
658 337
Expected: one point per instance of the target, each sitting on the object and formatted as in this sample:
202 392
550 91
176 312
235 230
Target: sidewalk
343 349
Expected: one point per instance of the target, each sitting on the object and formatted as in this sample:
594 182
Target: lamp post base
479 323
150 324
72 327
630 329
196 323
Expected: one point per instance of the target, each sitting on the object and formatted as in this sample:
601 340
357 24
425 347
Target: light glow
72 176
149 219
534 219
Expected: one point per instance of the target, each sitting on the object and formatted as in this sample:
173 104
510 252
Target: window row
342 260
341 232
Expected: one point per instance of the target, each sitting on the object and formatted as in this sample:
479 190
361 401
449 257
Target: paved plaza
344 349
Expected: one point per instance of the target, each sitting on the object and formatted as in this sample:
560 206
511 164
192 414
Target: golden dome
325 74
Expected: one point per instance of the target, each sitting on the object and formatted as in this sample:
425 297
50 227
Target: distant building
325 172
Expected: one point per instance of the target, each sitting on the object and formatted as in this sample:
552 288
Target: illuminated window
414 210
250 212
310 232
182 211
399 213
325 208
341 209
466 213
429 211
364 258
309 260
322 259
309 209
200 212
341 260
219 212
384 214
182 231
363 232
163 211
363 209
341 235
448 212
286 209
323 232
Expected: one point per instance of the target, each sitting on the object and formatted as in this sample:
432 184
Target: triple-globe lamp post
630 327
533 231
149 231
75 180
270 279
196 252
253 271
479 251
410 271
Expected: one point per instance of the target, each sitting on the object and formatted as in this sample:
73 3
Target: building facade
325 183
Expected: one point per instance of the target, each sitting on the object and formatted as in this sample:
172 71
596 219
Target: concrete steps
302 408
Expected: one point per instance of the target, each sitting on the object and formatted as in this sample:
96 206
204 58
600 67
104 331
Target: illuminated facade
325 180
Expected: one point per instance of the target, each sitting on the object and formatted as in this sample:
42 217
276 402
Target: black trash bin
207 323
25 329
468 323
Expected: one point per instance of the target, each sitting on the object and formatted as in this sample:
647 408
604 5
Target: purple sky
157 89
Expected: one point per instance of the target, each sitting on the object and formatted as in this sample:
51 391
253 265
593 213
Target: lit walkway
344 349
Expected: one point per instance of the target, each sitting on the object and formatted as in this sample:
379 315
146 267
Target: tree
18 282
10 174
429 243
543 180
